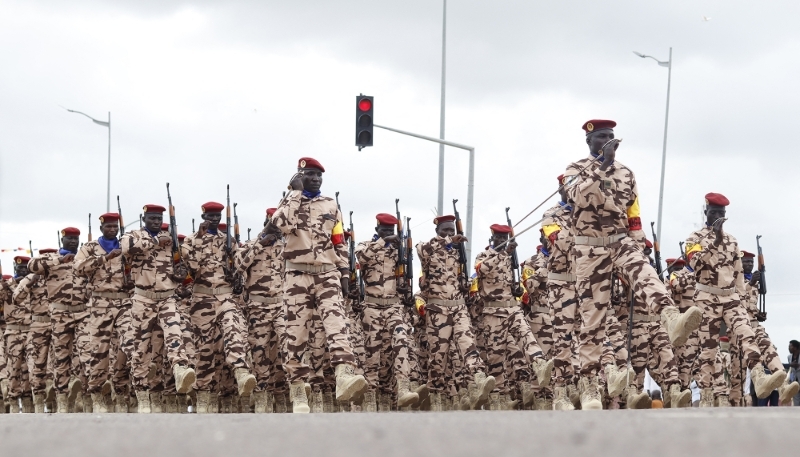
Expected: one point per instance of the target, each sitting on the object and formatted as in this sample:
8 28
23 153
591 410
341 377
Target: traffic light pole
470 180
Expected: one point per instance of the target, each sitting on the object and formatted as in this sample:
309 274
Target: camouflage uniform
681 284
109 317
538 312
154 317
38 346
5 300
18 322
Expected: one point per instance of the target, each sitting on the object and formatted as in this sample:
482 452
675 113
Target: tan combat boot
484 384
203 403
636 399
464 402
422 392
27 405
213 404
510 403
766 383
262 402
590 393
280 403
38 403
62 403
170 402
528 395
121 402
722 401
547 405
370 403
616 380
679 398
156 405
706 398
245 381
327 402
494 402
404 395
74 389
543 370
143 401
297 395
316 401
562 402
680 326
226 405
182 401
436 402
348 384
384 402
787 391
542 404
88 406
574 395
99 403
184 378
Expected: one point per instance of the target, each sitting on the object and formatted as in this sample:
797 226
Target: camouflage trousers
303 295
687 359
769 357
386 345
615 344
446 326
510 345
38 349
717 309
563 301
263 323
154 324
419 347
68 339
220 335
160 359
593 267
109 320
3 370
18 381
651 349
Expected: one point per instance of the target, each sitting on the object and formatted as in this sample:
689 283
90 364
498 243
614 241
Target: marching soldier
5 299
608 233
18 322
538 314
37 348
316 278
154 316
100 262
681 286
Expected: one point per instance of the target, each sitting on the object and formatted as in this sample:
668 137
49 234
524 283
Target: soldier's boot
213 404
297 395
260 400
543 370
170 402
447 403
88 406
547 405
511 404
494 402
405 397
348 384
121 402
50 392
562 401
38 403
203 402
280 403
184 378
4 389
27 405
133 403
466 404
679 398
156 404
787 391
422 392
590 393
616 380
99 405
680 326
327 402
636 399
766 383
574 395
182 403
436 402
226 403
74 389
245 381
541 404
62 403
707 398
722 401
316 401
528 395
143 402
370 403
107 388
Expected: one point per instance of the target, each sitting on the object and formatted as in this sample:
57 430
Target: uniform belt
265 300
154 295
645 318
445 303
40 318
70 308
598 240
21 328
715 290
540 309
308 268
198 289
501 304
567 277
381 301
112 295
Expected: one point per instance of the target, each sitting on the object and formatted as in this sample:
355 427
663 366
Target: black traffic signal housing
364 106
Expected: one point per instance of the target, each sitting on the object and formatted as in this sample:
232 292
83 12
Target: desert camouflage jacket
494 275
62 285
102 275
534 278
557 228
715 266
206 258
16 311
440 268
261 268
681 286
151 264
378 262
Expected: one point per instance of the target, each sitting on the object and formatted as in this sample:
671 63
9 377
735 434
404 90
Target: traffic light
364 107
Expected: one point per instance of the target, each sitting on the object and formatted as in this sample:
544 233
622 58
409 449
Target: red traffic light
365 104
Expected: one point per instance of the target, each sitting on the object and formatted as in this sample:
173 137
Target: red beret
181 237
70 231
308 162
271 211
439 219
500 228
648 243
598 124
223 226
386 219
47 251
212 207
560 179
109 217
747 255
21 259
164 226
7 277
678 261
153 209
717 199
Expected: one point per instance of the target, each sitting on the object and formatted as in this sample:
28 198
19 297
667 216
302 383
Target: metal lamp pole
440 204
667 64
108 176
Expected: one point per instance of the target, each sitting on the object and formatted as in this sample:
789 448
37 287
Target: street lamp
667 64
108 178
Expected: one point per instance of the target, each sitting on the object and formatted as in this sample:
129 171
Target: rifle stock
762 282
514 258
462 250
173 228
657 252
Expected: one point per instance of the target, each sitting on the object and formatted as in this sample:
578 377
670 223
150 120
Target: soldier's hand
180 271
458 239
717 228
511 246
164 240
268 240
518 291
345 281
761 317
35 278
67 258
114 254
296 183
394 239
756 278
609 152
202 229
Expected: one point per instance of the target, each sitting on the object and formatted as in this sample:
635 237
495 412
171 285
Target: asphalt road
693 432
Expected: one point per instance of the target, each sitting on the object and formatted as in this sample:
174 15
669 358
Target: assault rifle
354 276
409 269
126 269
173 228
400 270
514 258
762 282
90 227
234 279
236 224
462 250
657 252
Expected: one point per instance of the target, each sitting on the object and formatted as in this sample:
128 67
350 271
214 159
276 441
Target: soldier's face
714 212
212 219
21 269
563 194
312 179
70 243
597 139
109 230
152 221
446 229
747 265
647 251
384 230
499 238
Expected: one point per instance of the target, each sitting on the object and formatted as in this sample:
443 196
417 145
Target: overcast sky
204 94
